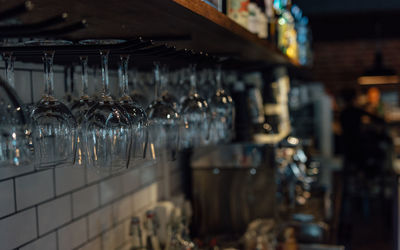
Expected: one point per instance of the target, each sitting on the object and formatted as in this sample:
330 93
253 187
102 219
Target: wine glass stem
48 72
124 68
157 79
193 82
9 60
134 79
84 63
104 71
219 77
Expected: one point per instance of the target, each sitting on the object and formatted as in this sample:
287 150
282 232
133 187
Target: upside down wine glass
136 114
136 93
53 125
14 134
195 116
106 127
79 109
223 112
165 93
163 123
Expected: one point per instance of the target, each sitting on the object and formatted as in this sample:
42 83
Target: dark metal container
231 186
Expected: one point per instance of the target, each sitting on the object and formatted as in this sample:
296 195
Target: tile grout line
57 240
31 82
54 183
40 237
37 221
19 175
87 229
72 205
15 195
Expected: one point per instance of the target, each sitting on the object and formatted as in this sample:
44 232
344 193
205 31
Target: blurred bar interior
191 124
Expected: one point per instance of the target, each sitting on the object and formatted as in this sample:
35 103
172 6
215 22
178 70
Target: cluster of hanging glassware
108 132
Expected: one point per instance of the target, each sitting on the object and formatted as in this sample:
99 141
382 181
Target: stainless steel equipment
232 185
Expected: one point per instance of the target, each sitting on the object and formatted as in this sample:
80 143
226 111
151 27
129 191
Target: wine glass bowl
135 112
195 119
163 127
54 130
195 116
107 135
14 133
106 127
222 111
163 122
53 125
79 109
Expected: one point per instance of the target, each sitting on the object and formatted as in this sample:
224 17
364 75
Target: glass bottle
136 234
178 233
152 242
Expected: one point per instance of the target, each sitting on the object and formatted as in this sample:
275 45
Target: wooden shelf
210 31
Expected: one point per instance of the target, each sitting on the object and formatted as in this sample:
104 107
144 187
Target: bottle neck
136 235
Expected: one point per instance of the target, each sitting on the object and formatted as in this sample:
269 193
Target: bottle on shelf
135 233
238 11
262 22
178 233
287 35
257 20
271 20
303 36
152 242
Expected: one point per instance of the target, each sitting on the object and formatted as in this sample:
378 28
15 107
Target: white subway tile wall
70 208
6 173
7 205
34 188
100 221
110 189
131 181
69 178
116 237
122 209
18 229
73 235
92 245
54 214
85 200
47 242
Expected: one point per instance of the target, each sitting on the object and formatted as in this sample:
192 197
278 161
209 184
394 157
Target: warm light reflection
95 153
375 80
301 200
267 127
153 152
293 140
79 156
